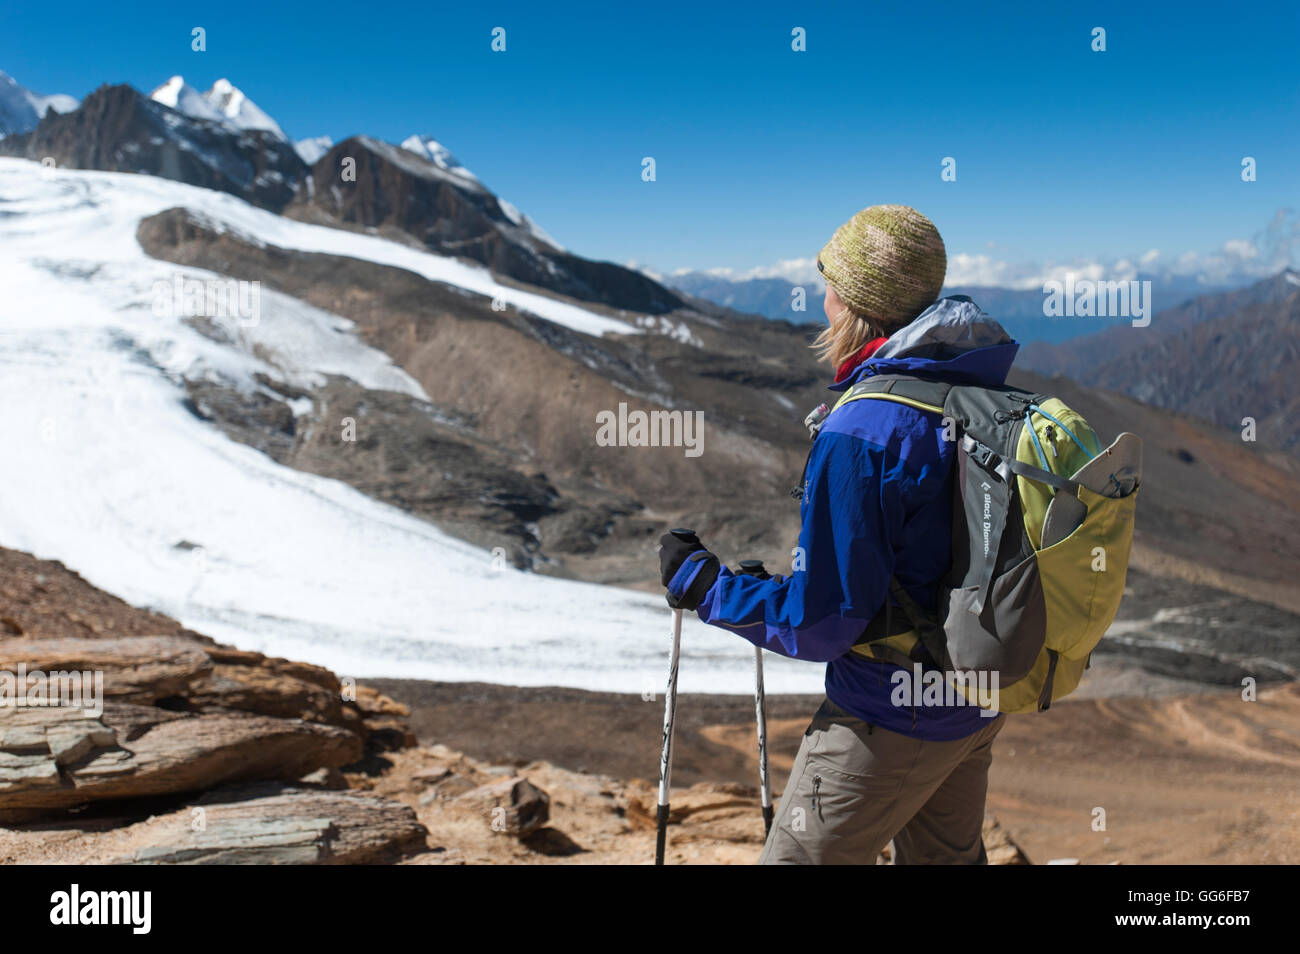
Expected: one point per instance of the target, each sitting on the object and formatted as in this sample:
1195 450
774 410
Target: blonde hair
846 334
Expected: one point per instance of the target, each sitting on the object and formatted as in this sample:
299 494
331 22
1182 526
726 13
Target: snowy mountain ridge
222 103
424 192
238 109
426 147
21 109
311 149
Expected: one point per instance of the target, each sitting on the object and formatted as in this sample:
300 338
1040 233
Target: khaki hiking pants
855 787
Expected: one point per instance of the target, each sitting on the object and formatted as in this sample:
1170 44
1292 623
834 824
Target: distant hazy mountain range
1225 358
1019 310
1223 355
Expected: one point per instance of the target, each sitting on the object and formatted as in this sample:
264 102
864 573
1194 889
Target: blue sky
1063 154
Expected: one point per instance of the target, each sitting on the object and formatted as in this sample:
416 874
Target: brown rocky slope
1214 510
206 754
203 754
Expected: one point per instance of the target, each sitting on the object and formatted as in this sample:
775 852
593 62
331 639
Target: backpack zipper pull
1051 440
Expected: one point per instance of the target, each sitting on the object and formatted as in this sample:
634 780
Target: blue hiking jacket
877 501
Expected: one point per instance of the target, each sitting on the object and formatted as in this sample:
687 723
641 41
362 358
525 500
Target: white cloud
1236 261
797 270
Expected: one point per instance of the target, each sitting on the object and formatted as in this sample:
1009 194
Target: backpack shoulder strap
915 392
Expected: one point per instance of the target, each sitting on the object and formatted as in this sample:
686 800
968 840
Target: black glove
676 549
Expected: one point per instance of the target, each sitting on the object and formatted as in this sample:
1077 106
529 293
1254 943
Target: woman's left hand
687 570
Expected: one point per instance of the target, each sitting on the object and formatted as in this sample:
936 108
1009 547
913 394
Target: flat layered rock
288 826
138 669
267 691
54 758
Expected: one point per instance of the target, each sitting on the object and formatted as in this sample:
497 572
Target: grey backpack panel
992 589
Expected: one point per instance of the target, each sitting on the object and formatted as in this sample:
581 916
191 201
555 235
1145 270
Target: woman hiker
877 502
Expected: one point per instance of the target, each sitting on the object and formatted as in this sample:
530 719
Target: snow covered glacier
106 470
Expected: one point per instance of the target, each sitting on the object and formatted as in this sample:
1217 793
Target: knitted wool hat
887 262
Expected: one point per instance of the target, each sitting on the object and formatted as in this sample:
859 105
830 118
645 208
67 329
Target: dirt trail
1203 778
1196 779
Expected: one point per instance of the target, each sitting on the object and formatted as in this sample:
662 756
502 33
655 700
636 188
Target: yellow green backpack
1042 528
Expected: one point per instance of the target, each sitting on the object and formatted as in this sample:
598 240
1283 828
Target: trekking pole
755 568
670 713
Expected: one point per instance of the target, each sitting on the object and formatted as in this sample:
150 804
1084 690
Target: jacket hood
953 339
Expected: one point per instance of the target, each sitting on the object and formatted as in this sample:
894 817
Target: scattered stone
513 806
373 702
453 786
999 847
388 734
328 778
431 775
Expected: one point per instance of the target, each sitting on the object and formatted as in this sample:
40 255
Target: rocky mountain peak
118 129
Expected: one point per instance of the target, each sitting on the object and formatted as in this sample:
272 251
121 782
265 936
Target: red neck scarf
851 365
